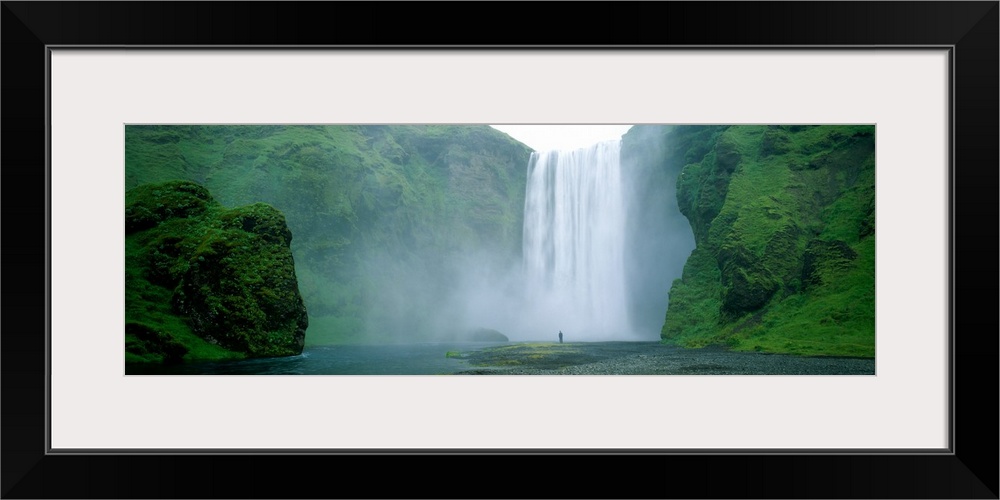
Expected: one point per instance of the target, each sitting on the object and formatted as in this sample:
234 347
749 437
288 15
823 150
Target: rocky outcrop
485 335
784 224
149 205
205 282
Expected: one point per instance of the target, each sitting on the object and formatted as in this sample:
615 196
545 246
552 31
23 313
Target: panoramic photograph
499 250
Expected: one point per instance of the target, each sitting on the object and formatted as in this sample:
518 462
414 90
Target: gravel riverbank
647 358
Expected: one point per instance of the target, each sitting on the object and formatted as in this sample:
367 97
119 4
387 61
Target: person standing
560 336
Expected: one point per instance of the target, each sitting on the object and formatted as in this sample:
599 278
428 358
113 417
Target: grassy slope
368 205
764 202
148 305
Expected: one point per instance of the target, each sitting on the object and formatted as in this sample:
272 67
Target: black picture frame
969 28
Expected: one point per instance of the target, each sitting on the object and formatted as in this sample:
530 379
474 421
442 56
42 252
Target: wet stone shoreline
647 358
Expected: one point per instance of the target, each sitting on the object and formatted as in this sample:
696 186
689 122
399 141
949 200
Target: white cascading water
574 223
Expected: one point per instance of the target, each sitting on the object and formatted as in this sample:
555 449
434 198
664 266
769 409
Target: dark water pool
407 359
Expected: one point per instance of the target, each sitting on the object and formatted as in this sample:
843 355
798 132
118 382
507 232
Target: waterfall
573 247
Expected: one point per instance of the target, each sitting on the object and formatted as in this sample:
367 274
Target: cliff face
381 214
204 282
784 223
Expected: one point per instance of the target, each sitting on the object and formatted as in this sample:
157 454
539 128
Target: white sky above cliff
549 137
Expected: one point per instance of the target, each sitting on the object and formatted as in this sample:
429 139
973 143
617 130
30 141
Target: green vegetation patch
542 355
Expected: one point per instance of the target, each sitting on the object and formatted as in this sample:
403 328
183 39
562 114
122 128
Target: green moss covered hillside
784 224
382 215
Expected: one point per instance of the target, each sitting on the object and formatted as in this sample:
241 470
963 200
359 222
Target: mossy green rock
148 205
746 283
784 225
205 282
